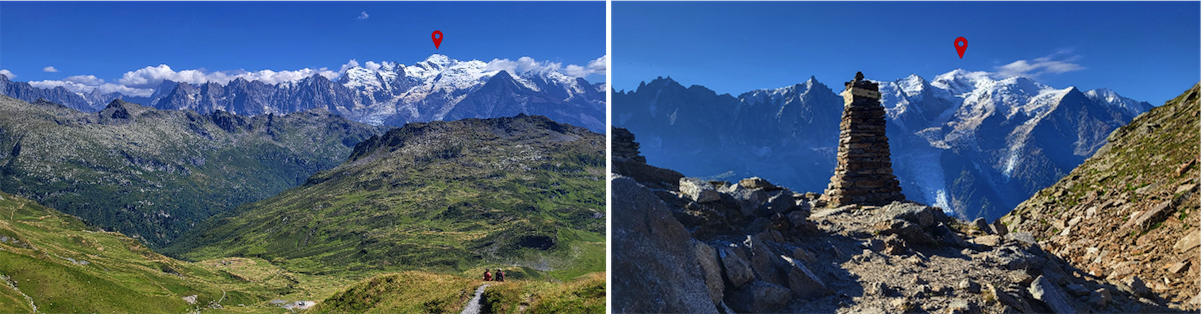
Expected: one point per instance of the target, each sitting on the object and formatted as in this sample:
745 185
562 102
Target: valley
154 174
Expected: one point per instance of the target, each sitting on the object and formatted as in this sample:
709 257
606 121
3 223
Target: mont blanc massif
964 141
389 189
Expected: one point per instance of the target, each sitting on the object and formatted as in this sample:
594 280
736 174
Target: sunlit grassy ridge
439 196
60 265
153 174
423 292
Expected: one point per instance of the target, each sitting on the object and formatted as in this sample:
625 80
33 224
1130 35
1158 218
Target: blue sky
1148 51
108 39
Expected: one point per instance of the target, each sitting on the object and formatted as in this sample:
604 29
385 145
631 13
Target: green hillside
56 263
154 174
438 196
423 292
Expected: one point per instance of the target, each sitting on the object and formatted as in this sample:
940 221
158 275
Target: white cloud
372 65
349 64
1039 66
82 88
151 77
600 65
8 74
523 65
527 64
91 80
363 16
49 69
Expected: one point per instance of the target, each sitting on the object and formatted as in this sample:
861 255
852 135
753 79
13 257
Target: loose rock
1043 290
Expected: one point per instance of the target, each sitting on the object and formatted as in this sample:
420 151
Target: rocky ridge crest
1128 215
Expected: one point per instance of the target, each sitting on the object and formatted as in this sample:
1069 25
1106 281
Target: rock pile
864 171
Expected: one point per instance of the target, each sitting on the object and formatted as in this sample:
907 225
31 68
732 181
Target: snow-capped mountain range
390 93
964 141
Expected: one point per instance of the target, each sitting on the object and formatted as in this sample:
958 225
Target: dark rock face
624 146
653 252
864 171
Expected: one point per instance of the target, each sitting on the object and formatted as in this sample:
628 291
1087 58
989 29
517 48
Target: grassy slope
158 173
120 275
440 196
422 292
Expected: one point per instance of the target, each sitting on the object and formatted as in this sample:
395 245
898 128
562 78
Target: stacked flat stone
624 145
864 172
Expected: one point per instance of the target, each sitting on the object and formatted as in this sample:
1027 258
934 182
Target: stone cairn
864 172
624 145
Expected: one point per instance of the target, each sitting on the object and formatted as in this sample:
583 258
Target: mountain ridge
387 93
963 140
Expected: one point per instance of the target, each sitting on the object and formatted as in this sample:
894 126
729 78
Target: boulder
758 297
999 228
894 245
969 286
780 202
745 200
988 242
949 237
647 175
1024 237
803 283
737 268
1054 273
922 215
803 255
653 252
1077 290
982 225
706 256
1013 258
912 233
1100 298
1138 287
1179 267
757 183
698 190
1047 292
764 261
1017 303
1189 241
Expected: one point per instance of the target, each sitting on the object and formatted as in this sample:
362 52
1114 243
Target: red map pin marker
437 36
959 48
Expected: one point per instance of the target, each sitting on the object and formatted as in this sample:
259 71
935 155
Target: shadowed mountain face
153 174
964 142
451 195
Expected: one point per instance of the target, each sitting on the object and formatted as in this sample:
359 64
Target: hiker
487 275
500 274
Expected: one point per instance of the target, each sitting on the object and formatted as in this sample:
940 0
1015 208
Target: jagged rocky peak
1128 214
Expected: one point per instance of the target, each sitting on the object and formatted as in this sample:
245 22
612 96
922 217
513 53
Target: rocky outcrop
654 255
1129 214
624 146
864 171
900 257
